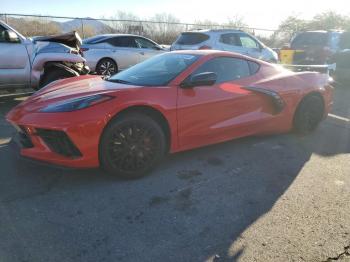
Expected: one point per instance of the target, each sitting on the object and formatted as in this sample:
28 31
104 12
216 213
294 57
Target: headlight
74 104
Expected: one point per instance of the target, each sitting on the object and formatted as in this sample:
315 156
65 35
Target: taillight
205 47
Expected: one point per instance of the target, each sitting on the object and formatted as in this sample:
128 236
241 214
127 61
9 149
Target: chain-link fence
160 31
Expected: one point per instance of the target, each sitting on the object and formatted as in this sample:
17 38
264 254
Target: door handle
142 53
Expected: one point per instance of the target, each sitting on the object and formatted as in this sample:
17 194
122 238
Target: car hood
75 87
71 39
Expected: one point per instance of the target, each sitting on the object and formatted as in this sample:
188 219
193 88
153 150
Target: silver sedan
108 54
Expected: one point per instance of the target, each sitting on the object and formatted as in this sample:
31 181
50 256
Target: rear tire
106 67
131 145
308 115
54 75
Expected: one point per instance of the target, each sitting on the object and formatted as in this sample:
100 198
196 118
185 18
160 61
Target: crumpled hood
71 39
50 47
71 88
63 43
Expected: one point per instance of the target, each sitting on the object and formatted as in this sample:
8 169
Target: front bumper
55 138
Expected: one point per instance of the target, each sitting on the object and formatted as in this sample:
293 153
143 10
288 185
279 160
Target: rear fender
276 99
316 83
42 59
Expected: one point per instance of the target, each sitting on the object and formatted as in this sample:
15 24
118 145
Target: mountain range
94 24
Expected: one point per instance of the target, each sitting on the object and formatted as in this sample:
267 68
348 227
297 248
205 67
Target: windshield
309 39
191 38
156 71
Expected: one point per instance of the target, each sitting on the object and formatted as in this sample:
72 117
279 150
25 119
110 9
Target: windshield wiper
119 81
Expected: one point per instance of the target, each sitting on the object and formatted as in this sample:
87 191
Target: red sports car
172 102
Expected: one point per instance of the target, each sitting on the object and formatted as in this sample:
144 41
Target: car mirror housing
201 79
11 37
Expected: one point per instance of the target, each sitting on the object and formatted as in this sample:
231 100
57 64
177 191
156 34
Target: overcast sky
261 14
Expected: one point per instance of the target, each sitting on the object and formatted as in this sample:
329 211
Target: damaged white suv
36 62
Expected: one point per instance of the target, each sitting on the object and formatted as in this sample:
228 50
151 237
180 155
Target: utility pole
82 27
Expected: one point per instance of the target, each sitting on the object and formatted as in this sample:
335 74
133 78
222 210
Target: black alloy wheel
106 67
132 145
309 114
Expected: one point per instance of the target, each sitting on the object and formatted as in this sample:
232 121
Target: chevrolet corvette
169 103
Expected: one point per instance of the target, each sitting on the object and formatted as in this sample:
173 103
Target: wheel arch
310 94
57 65
152 112
50 67
306 96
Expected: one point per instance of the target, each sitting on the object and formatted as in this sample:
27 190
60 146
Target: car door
232 43
223 111
252 47
124 51
147 48
14 62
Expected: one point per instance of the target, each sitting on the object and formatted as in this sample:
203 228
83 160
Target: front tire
308 115
131 145
106 67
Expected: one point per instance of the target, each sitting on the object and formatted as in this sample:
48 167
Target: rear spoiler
323 69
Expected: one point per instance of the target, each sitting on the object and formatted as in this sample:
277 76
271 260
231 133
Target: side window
254 67
226 68
230 39
248 42
144 43
122 41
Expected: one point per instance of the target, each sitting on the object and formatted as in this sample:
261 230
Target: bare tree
166 30
236 21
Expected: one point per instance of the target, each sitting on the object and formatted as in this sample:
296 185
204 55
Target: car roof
114 35
214 31
107 36
323 31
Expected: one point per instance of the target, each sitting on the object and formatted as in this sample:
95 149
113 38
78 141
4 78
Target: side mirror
11 36
201 79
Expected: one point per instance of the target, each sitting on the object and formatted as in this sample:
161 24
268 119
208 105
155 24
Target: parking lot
275 198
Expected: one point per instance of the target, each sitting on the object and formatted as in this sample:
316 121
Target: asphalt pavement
272 198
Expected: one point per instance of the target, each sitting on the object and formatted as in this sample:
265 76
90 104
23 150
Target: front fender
41 59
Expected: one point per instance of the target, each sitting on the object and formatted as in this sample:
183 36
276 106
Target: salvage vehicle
226 40
110 53
170 103
36 62
312 48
